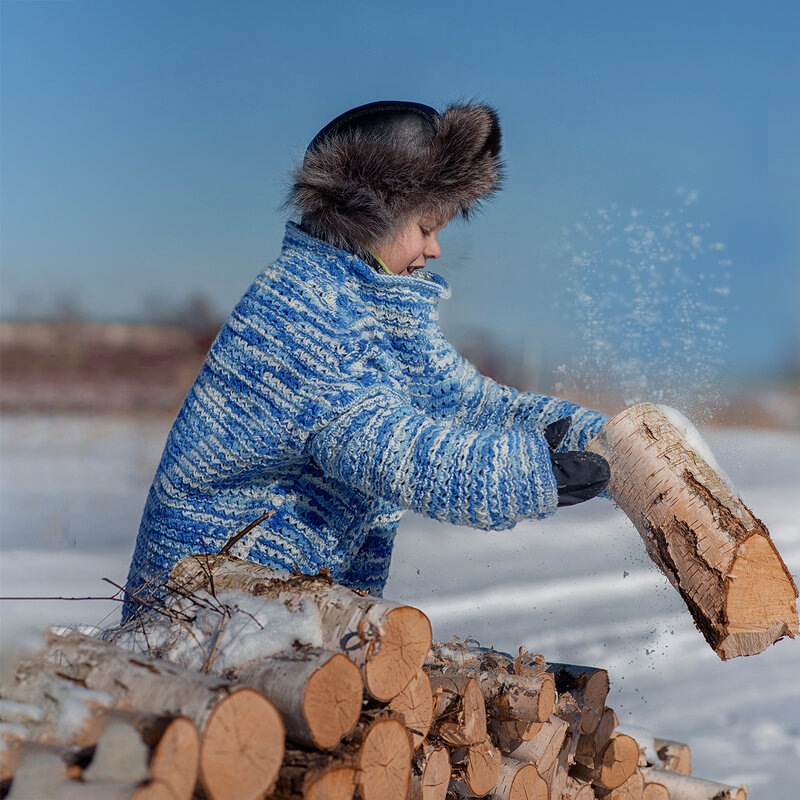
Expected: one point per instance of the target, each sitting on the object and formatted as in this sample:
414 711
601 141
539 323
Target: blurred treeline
63 362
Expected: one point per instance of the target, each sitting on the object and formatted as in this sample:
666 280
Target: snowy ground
578 587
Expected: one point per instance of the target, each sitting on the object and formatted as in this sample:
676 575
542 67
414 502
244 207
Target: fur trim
352 190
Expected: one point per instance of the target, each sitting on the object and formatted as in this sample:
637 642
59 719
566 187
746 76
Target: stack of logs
377 712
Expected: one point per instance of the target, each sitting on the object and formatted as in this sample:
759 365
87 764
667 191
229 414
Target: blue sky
146 146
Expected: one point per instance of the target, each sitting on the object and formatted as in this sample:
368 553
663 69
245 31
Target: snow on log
44 774
221 711
477 769
318 693
388 641
686 787
712 549
414 705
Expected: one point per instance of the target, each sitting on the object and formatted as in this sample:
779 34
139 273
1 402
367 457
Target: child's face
411 248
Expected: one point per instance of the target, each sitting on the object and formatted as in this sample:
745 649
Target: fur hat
367 172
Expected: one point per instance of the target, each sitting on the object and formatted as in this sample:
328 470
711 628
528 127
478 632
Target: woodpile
707 542
370 708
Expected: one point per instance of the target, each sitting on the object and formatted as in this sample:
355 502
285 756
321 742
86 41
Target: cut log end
332 701
385 762
435 775
242 747
470 725
405 641
547 698
525 783
338 783
655 791
481 770
175 761
415 705
761 600
618 762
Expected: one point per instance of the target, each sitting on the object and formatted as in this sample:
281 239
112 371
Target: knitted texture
332 396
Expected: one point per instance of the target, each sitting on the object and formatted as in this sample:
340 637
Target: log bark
478 768
458 709
618 761
308 775
519 781
675 756
430 773
317 692
388 641
224 714
685 787
543 749
707 542
557 774
414 705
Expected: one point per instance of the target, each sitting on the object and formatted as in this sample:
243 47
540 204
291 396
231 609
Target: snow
577 587
236 627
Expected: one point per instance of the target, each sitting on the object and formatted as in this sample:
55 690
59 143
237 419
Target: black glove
580 476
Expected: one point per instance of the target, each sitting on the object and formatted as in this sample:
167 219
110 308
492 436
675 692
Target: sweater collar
347 267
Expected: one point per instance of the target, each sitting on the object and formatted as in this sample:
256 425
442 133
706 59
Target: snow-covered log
707 542
221 711
388 641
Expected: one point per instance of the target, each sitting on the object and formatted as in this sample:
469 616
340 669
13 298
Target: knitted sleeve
484 403
385 447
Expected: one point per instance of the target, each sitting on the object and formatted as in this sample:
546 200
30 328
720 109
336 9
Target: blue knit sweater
331 395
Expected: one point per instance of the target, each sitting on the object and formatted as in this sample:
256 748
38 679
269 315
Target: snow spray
649 295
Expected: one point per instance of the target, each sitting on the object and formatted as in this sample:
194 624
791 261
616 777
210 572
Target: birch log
712 549
519 781
686 787
388 641
430 773
318 693
222 712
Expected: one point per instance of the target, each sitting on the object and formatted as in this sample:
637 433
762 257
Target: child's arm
484 403
385 447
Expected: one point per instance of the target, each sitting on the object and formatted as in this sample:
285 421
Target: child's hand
579 476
